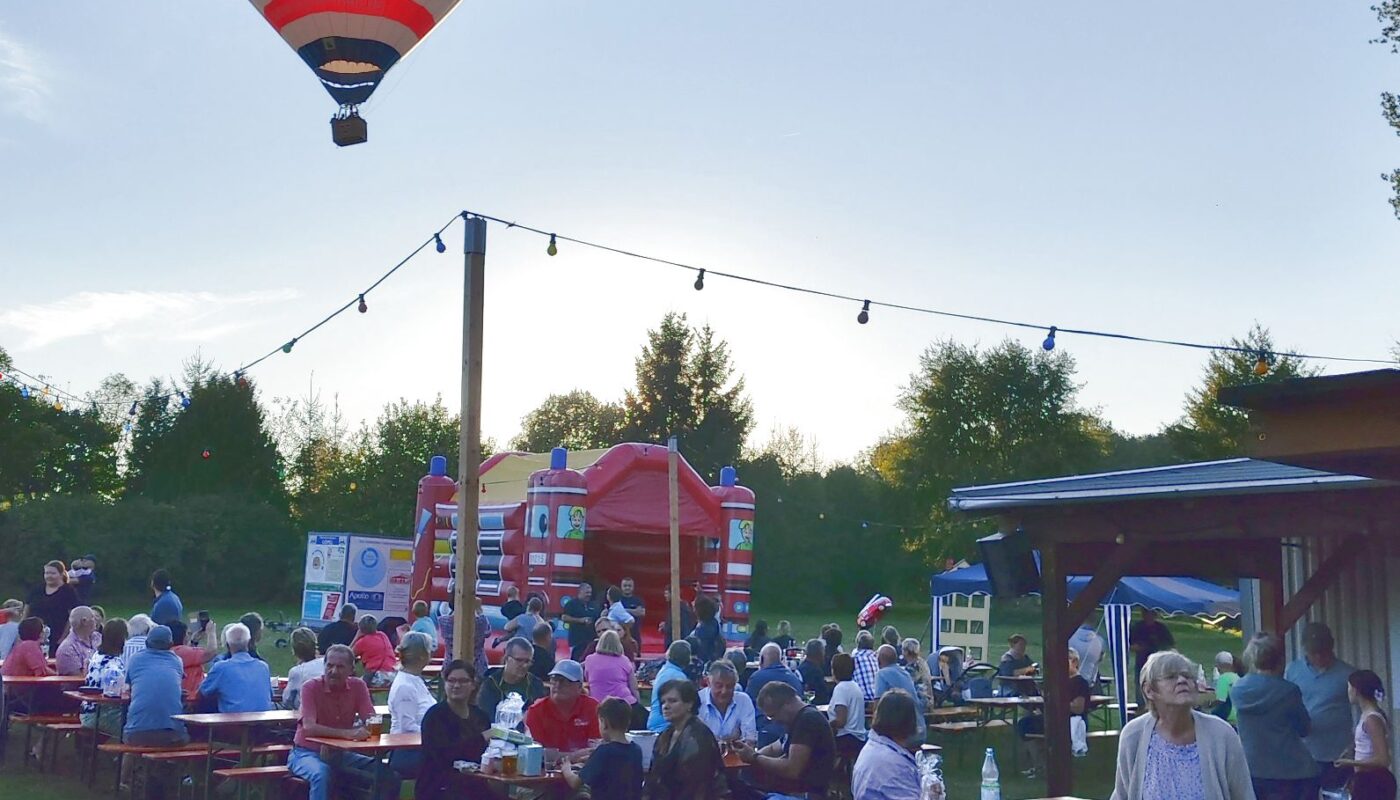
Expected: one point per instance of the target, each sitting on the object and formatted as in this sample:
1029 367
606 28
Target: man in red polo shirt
330 706
568 718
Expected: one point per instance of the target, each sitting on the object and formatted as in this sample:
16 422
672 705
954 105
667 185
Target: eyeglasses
522 661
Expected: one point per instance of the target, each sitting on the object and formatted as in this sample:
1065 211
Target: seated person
771 668
240 683
727 712
376 652
893 676
513 607
77 648
885 769
107 659
1016 663
1034 723
801 763
192 658
27 659
253 621
812 671
423 623
603 625
677 659
686 763
410 699
342 631
332 706
524 624
453 730
567 718
154 675
309 665
514 676
543 638
847 708
614 770
783 638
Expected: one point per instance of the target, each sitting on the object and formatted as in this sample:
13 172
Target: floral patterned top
97 667
1172 772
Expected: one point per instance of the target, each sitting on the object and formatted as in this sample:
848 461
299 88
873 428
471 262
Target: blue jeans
307 765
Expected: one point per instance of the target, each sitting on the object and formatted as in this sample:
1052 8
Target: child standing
1371 754
614 770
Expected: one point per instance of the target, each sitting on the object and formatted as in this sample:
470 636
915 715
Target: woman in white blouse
409 699
309 665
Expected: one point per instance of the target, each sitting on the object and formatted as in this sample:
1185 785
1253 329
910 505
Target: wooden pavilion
1316 544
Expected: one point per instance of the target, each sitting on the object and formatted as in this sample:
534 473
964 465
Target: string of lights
1263 358
863 316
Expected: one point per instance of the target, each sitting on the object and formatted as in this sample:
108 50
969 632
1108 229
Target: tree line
221 491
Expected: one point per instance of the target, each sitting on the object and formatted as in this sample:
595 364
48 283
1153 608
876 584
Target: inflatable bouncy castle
596 516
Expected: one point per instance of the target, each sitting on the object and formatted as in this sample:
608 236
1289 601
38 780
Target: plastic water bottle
113 680
991 777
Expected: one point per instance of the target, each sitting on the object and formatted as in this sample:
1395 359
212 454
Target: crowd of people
1274 731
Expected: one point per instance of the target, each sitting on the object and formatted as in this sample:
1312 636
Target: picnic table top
45 680
99 698
374 744
250 718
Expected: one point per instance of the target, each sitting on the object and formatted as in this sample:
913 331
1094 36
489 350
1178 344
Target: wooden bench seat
967 726
275 773
954 713
43 719
1092 735
222 755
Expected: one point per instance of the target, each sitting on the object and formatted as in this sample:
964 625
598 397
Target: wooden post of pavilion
1055 663
469 443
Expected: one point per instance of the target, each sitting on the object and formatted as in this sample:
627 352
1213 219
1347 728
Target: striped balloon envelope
352 44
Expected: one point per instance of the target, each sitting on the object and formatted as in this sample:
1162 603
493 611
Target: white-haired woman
1174 752
409 698
137 627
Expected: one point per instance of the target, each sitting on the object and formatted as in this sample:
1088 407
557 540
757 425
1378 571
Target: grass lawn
1093 775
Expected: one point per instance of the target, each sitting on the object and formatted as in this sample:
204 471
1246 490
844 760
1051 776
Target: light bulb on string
287 348
132 411
700 281
437 242
58 405
184 400
126 426
864 315
553 248
46 391
206 455
363 306
239 379
1261 365
24 391
354 486
1049 343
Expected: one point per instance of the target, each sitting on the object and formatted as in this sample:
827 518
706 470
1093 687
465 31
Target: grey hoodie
1272 722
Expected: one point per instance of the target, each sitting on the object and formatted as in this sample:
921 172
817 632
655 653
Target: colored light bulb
437 242
363 306
1049 343
700 281
553 248
1261 366
864 315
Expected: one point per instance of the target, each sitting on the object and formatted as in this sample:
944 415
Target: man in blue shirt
167 607
1322 677
770 669
727 712
893 676
677 659
155 674
241 683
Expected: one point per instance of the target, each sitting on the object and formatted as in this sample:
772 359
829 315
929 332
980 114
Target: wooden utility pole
469 446
673 457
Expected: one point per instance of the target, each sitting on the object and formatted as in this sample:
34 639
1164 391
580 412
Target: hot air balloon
351 45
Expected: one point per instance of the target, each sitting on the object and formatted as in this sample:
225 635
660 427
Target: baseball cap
159 638
568 669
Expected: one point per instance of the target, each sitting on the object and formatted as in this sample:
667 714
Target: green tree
1209 430
218 444
975 417
48 449
577 420
1388 14
686 387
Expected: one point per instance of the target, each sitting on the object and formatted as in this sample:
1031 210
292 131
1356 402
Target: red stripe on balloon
405 12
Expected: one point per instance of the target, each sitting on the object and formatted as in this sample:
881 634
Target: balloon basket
348 130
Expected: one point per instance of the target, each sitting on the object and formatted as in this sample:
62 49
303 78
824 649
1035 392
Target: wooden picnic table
245 723
374 747
30 685
99 700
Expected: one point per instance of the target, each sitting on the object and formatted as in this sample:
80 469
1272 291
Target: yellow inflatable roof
504 479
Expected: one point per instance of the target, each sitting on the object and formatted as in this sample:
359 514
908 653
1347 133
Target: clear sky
167 184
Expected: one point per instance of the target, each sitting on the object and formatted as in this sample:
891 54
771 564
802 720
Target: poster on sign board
323 586
379 575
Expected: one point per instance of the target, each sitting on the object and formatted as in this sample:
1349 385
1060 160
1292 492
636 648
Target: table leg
244 760
96 732
374 785
209 764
